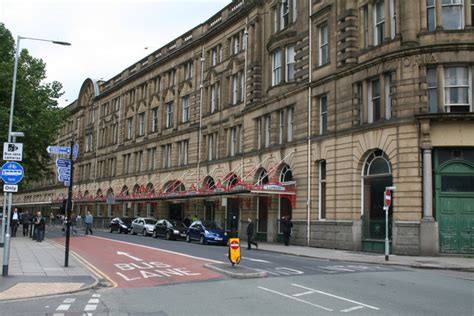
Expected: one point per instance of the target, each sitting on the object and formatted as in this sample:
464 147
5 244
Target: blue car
206 232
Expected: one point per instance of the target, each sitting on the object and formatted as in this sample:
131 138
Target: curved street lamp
11 136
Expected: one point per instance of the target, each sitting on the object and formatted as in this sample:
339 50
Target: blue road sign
63 163
64 177
59 150
64 171
75 151
12 172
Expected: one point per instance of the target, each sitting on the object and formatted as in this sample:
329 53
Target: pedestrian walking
15 221
25 222
251 235
73 224
286 224
88 221
40 227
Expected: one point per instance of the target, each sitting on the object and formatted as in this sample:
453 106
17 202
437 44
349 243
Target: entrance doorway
377 174
455 206
176 212
233 209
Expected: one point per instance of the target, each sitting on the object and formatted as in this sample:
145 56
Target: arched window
150 188
175 186
377 164
286 175
262 176
231 179
209 183
124 191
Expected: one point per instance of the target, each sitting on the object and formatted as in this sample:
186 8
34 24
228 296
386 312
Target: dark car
121 225
206 232
170 229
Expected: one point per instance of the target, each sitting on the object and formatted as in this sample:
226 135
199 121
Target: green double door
455 207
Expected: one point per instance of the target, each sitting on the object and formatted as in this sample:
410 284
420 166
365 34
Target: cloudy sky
106 35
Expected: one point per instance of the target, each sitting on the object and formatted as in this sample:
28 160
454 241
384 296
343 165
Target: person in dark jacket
25 222
251 235
40 226
286 225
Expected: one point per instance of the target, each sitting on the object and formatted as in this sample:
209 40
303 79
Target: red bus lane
131 266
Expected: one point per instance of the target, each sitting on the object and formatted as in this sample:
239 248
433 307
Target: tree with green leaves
36 112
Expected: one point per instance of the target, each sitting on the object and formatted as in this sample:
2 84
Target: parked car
170 229
206 232
144 226
121 225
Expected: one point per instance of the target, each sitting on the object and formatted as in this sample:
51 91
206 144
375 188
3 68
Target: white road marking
95 295
63 307
121 253
159 249
90 308
93 301
296 299
337 268
58 314
69 300
335 296
320 270
257 260
304 293
351 309
262 270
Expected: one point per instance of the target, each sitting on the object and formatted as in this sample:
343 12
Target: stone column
423 18
370 18
427 185
439 17
429 243
409 15
467 13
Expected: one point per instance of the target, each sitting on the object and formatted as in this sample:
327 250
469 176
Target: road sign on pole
12 172
10 188
387 203
59 150
388 198
64 177
75 151
12 151
63 163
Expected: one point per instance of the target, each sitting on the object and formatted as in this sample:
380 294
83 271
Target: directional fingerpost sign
63 163
58 150
64 177
12 172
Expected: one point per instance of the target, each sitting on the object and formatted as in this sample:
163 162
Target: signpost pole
68 208
6 246
386 205
4 216
387 245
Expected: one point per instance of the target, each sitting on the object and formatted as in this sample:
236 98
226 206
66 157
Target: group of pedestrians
36 224
286 226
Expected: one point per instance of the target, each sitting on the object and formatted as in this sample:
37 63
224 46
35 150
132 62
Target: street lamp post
11 135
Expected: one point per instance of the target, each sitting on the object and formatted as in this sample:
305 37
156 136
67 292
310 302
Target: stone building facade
305 108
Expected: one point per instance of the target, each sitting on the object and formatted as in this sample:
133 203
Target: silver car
144 226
